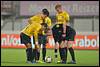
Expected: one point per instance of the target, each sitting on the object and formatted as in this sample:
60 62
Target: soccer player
61 31
42 37
32 29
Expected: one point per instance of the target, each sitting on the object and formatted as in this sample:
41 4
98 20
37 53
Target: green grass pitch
17 57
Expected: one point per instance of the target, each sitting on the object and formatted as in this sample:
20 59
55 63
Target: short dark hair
45 12
44 24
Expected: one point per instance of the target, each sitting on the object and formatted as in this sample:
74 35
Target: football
48 59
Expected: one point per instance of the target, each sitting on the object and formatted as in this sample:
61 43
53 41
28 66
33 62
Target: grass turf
17 57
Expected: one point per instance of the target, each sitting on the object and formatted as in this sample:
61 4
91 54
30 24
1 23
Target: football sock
72 53
64 50
60 53
34 54
66 53
38 55
55 53
63 53
29 54
43 53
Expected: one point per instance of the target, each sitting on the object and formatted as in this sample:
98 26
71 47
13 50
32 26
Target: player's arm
49 23
36 36
66 22
36 31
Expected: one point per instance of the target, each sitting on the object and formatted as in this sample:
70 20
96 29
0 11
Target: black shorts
25 39
70 34
57 32
42 39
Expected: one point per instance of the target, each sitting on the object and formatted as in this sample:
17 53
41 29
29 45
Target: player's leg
65 48
29 52
62 49
56 51
63 52
38 47
37 53
55 36
44 40
69 45
71 50
41 39
26 40
35 49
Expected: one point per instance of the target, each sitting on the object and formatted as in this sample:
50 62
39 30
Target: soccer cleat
33 62
72 62
63 62
40 61
59 62
44 60
29 62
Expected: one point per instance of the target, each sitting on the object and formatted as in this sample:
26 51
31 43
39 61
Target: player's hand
36 45
66 42
64 35
56 45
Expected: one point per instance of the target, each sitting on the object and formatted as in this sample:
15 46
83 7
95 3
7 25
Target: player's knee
28 45
70 44
62 45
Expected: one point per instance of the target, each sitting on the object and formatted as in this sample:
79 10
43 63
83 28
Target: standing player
42 37
32 29
60 32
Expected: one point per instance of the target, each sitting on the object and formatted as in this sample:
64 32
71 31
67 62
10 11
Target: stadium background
84 18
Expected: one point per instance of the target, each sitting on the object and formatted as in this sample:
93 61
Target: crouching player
42 37
32 29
